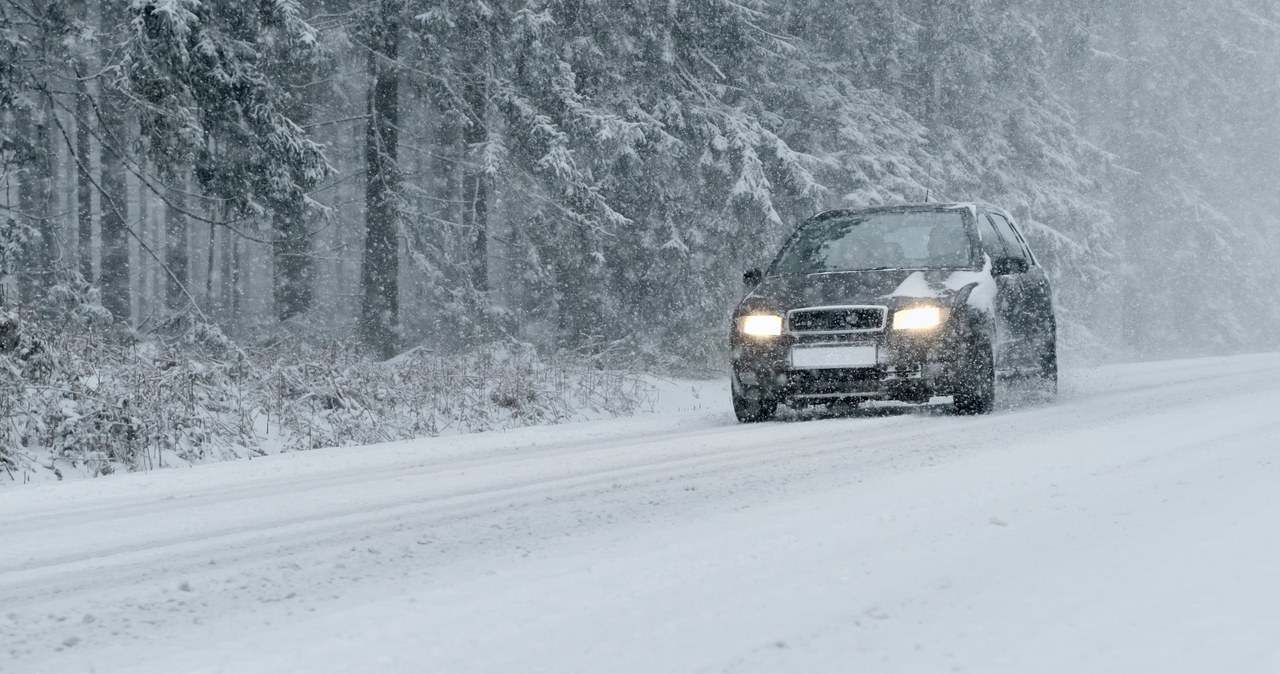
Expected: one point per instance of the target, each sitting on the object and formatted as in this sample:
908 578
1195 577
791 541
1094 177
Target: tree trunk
145 231
578 289
475 182
931 67
230 278
114 199
209 299
379 315
84 181
225 286
175 241
293 280
294 267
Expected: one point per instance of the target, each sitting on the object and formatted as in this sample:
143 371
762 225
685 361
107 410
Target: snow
915 286
1127 526
983 296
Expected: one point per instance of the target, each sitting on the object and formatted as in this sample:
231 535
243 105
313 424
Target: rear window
924 240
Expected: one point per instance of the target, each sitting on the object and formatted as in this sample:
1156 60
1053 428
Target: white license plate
817 357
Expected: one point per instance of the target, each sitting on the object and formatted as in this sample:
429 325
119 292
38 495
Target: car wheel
750 410
1049 367
977 392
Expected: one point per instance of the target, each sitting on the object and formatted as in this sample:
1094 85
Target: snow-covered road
1133 525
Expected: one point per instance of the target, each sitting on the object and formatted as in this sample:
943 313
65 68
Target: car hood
889 287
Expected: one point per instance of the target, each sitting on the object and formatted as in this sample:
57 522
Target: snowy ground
1131 526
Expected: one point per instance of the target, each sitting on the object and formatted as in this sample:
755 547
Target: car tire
1049 367
751 410
977 392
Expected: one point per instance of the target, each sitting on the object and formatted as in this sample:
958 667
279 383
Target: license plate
817 357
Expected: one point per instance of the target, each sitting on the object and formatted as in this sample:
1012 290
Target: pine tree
294 66
28 143
380 311
213 107
596 175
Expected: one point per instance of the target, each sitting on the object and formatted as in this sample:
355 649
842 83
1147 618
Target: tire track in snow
257 531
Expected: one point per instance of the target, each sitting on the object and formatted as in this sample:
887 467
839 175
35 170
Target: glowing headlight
922 318
760 325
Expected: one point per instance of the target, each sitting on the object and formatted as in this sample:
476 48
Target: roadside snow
1128 526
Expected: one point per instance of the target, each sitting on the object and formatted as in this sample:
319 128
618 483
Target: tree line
595 175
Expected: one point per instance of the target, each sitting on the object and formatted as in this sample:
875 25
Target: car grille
834 382
837 319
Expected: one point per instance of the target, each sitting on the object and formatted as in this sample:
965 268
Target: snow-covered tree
203 70
589 174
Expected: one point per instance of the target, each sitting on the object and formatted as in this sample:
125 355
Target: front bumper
909 367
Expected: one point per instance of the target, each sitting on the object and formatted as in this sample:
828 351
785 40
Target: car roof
932 206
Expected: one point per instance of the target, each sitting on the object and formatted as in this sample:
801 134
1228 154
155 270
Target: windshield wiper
855 271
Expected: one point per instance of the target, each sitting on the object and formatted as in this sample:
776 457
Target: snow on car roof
971 206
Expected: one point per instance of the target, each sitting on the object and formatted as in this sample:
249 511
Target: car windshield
862 241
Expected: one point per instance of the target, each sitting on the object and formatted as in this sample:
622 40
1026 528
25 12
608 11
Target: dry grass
81 401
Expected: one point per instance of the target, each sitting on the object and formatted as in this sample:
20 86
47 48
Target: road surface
1132 525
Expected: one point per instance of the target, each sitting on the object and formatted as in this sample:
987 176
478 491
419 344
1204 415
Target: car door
1006 288
1039 319
1024 301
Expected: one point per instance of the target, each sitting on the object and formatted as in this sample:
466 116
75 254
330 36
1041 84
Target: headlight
921 318
760 325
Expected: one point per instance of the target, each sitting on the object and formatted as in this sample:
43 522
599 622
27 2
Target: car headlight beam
920 318
760 325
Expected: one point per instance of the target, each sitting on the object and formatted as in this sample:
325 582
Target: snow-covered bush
89 402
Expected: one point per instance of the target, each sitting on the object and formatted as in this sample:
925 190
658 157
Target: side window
1026 247
991 244
1011 240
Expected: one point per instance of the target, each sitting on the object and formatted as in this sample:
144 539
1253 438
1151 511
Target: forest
591 177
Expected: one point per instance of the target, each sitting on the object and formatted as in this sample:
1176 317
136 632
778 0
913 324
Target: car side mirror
752 277
1006 266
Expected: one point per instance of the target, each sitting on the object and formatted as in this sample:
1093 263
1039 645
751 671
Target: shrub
89 401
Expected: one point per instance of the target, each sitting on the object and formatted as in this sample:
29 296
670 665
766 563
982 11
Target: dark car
900 303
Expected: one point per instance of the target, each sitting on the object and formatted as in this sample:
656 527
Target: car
908 303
